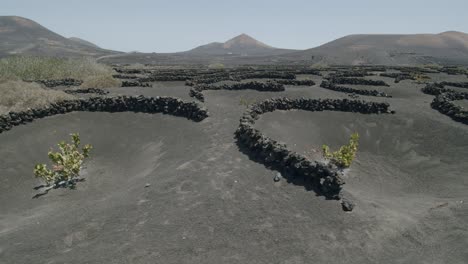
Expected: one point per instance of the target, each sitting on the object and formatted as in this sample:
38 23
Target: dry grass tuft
19 95
100 81
42 68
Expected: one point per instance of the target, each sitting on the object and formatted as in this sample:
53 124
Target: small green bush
66 164
345 155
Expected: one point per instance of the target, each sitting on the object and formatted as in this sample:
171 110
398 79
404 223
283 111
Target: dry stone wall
327 178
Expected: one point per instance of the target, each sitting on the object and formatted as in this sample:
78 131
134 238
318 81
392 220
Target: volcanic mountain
242 49
84 42
20 35
445 48
243 45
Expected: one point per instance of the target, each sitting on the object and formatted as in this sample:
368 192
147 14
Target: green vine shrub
67 164
345 155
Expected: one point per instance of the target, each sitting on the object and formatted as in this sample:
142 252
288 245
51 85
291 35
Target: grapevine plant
67 164
345 155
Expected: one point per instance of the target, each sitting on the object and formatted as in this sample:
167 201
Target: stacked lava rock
357 81
326 177
268 86
347 74
398 76
166 105
295 82
135 84
443 102
332 86
265 75
440 88
61 82
86 91
124 76
210 78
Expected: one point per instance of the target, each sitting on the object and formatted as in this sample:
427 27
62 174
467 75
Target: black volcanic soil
462 103
208 203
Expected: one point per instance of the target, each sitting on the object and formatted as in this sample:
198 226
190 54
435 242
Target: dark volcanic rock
87 90
398 76
269 86
62 82
443 103
135 84
327 178
439 88
347 204
357 81
332 86
166 105
296 82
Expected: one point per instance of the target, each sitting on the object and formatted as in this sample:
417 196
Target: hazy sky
175 25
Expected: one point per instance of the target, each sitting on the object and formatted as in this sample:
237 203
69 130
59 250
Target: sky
176 25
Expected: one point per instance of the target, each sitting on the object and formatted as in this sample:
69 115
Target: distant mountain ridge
449 47
23 36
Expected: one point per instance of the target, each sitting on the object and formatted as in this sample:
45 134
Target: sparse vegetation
246 102
66 166
49 68
345 155
100 81
421 78
216 66
19 95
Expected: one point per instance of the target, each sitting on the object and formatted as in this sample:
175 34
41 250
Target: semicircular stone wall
326 178
166 105
444 97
